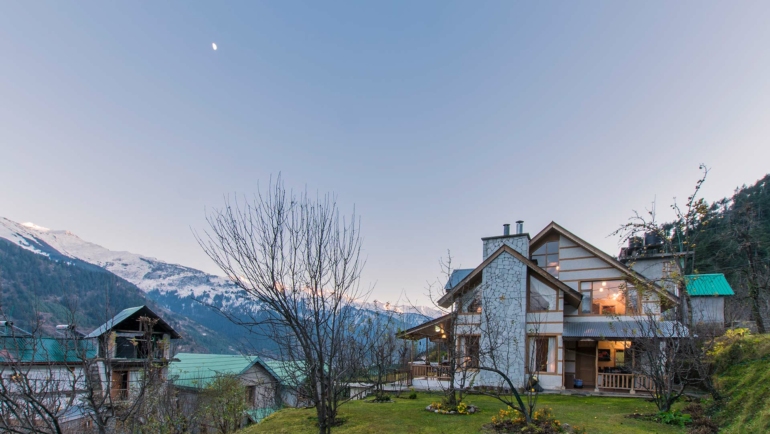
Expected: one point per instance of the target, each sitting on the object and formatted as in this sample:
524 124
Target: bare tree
300 260
678 237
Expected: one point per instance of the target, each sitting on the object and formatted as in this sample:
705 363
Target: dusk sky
439 121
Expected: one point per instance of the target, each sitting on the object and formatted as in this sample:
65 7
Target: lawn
596 414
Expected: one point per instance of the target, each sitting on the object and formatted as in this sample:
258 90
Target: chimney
507 229
519 227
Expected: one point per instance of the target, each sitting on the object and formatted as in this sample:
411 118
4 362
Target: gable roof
707 285
553 226
570 294
196 371
133 313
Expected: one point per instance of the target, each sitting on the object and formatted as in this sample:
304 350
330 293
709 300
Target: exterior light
437 329
604 283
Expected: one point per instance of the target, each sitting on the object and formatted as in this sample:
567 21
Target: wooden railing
420 370
630 382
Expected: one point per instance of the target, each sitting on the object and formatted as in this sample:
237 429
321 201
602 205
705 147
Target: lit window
609 297
547 257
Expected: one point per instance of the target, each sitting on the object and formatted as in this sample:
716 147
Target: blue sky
439 121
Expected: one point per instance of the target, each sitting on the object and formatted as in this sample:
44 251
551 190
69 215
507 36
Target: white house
551 304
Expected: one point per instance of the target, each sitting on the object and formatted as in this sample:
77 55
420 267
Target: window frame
553 270
529 295
626 292
550 352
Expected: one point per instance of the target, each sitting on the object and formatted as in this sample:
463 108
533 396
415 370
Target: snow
33 226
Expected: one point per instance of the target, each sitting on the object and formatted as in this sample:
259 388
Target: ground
599 415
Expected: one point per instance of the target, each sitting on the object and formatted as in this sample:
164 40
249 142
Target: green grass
599 415
745 383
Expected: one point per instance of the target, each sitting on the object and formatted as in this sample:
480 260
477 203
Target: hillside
57 292
743 375
191 295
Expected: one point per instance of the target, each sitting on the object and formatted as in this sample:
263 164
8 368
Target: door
585 363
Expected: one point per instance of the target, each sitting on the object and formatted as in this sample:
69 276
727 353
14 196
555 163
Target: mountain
184 291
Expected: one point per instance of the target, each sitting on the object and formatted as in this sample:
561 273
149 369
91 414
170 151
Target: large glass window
609 297
472 351
541 296
542 354
547 257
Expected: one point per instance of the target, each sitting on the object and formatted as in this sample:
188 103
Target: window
542 354
472 351
475 305
547 257
541 297
609 297
251 392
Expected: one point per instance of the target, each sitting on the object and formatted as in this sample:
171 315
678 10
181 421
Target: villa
555 306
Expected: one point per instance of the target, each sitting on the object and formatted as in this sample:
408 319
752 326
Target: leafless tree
300 260
678 238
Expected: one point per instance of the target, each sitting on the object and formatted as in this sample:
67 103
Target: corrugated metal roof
198 370
619 329
456 277
117 319
46 350
126 314
708 285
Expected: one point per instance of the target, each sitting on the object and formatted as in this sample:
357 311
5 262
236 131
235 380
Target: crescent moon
214 46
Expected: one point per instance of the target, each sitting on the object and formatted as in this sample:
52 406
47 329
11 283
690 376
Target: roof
133 313
196 371
45 350
619 329
424 330
570 294
602 255
456 277
708 285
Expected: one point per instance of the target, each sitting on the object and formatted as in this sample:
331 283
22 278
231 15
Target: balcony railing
422 370
631 382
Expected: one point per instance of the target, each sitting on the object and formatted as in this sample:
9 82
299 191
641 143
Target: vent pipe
519 227
507 229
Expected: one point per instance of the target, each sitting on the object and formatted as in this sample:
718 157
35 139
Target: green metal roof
46 350
288 373
198 370
708 285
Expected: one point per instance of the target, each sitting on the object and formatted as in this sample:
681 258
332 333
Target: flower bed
461 408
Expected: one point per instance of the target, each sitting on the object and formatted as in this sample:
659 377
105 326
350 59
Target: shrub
675 417
543 422
412 393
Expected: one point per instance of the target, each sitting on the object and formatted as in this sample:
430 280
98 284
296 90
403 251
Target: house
266 384
552 305
707 297
55 373
125 343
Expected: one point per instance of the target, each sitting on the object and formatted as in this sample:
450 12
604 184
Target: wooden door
585 365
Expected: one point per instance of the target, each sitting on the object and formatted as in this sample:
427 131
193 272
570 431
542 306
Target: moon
214 46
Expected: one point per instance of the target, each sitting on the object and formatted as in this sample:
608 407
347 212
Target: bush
675 417
412 393
543 422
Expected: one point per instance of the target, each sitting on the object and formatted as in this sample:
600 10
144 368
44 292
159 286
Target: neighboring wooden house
54 370
123 346
566 309
266 382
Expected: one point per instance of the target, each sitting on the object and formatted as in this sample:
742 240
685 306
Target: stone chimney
518 241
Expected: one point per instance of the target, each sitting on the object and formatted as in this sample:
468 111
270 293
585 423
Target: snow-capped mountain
173 286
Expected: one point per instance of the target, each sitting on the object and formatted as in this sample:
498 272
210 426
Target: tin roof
126 314
45 350
619 329
196 371
456 277
708 285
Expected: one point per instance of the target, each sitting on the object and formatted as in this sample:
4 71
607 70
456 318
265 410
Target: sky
438 121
